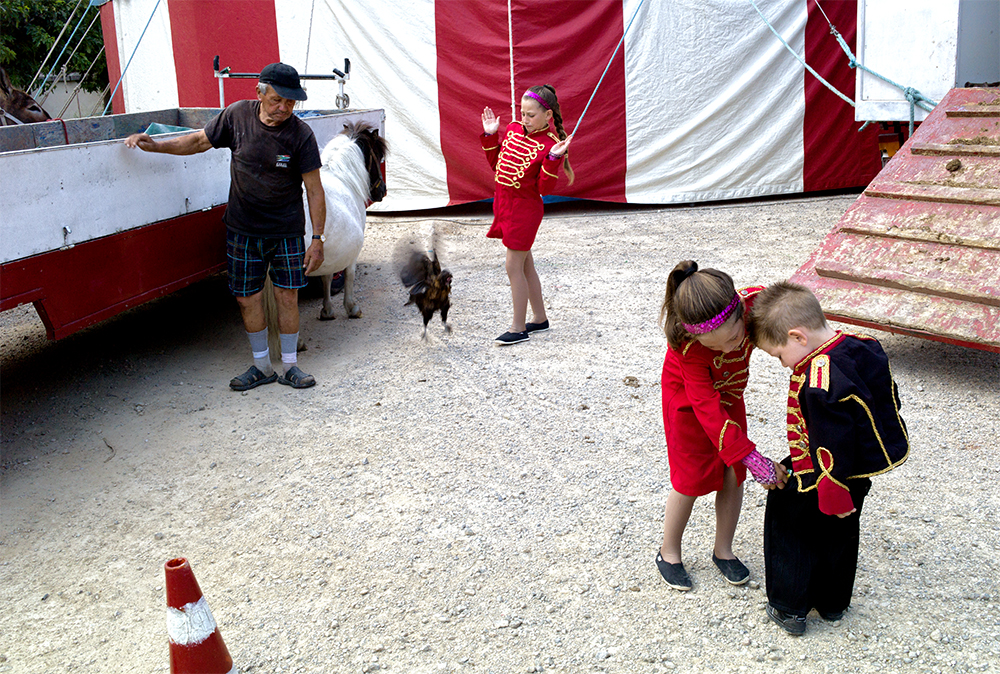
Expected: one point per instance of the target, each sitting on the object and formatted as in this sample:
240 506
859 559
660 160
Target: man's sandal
251 379
296 378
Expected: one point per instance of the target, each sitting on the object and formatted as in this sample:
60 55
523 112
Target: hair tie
688 272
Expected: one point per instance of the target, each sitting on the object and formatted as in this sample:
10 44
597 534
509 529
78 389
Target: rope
58 58
64 71
134 50
510 44
54 43
800 59
79 84
606 68
913 97
309 37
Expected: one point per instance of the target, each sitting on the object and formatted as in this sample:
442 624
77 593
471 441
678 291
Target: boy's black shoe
508 338
831 617
674 574
735 572
792 624
537 327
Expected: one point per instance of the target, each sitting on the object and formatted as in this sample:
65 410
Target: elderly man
274 153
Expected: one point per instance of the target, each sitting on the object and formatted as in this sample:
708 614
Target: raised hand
562 147
491 124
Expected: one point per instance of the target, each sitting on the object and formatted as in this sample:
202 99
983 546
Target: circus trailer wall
932 46
91 228
702 102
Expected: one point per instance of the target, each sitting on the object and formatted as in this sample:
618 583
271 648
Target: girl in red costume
526 162
704 375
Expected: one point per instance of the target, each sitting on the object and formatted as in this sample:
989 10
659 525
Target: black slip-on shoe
831 617
537 327
734 571
508 338
793 624
674 574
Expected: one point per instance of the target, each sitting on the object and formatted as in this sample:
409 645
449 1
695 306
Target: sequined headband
538 98
713 323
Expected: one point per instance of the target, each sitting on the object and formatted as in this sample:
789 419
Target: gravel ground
451 506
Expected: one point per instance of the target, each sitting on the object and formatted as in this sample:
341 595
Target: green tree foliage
28 29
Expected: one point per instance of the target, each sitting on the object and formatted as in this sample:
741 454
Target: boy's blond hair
781 307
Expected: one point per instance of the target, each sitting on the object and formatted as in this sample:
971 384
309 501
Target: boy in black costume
843 428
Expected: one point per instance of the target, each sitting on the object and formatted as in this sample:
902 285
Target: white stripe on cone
191 624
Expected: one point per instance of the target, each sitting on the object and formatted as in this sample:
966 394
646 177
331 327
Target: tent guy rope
606 68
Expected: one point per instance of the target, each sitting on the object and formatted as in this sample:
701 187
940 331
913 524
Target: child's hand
847 514
783 475
762 469
561 148
490 122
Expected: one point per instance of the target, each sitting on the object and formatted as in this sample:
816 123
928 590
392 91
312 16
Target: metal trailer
90 228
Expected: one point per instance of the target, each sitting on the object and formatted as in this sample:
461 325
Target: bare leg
252 311
518 287
678 511
288 309
534 290
728 503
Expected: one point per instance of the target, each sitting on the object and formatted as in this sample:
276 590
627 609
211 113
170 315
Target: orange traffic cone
196 647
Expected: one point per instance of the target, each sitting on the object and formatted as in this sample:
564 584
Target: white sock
289 350
261 352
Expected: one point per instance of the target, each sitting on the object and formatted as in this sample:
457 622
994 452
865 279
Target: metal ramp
919 252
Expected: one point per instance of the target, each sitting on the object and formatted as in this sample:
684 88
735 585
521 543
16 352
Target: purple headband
713 323
537 98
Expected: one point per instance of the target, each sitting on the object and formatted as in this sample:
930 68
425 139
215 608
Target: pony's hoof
324 316
356 314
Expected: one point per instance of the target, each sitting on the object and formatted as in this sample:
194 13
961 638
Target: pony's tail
271 316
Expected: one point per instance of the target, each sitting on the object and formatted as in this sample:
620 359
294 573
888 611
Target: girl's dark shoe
674 574
831 617
792 624
508 338
537 327
735 572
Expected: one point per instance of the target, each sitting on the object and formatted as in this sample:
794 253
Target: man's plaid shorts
249 257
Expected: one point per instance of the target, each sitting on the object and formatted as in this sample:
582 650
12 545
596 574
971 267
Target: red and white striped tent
701 103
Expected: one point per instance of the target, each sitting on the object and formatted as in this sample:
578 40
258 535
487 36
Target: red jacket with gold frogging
521 162
843 419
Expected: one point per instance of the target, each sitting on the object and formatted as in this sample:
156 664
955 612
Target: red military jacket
713 384
843 419
521 162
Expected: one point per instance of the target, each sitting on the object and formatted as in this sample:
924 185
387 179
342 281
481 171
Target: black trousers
810 559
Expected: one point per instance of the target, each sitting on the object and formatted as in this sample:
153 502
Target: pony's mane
343 158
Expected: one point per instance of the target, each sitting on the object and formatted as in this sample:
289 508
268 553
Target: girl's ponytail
694 298
548 92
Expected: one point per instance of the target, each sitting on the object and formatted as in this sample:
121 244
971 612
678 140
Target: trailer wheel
343 101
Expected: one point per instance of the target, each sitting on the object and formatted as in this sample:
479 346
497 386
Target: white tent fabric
721 128
714 106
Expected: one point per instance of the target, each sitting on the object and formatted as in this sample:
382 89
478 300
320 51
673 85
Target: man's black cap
284 79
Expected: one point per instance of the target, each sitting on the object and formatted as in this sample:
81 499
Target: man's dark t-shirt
265 192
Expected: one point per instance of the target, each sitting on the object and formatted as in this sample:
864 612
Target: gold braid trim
825 457
889 465
742 351
722 435
549 174
517 154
